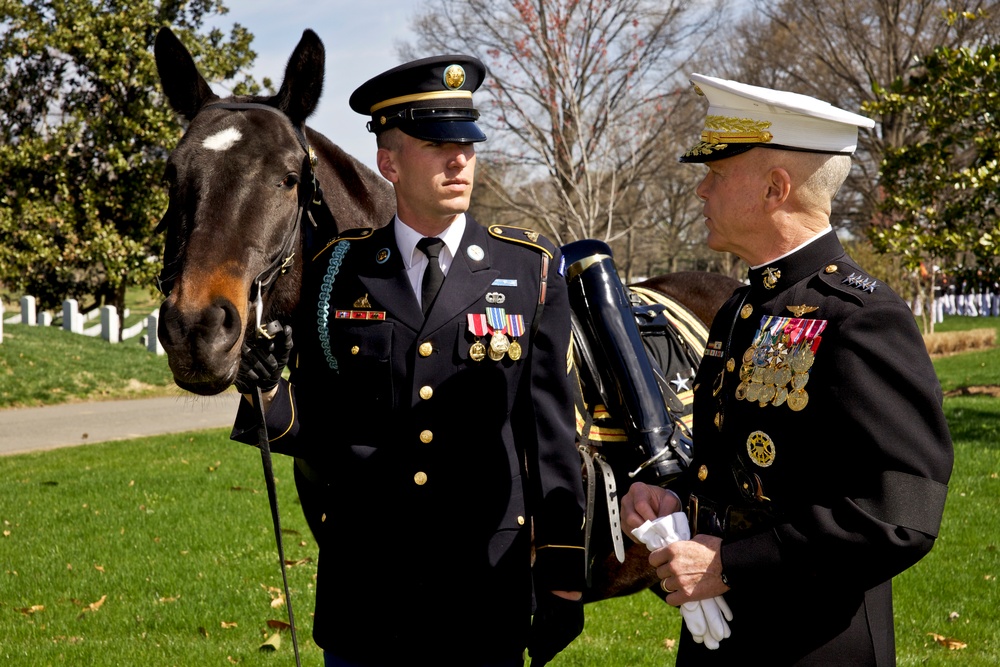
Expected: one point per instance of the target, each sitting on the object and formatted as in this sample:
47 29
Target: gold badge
746 311
454 77
771 277
362 302
760 447
703 473
532 236
382 256
799 311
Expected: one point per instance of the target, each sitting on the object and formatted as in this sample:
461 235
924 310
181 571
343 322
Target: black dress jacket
433 461
821 457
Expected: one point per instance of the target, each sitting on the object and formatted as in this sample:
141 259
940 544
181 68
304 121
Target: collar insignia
771 277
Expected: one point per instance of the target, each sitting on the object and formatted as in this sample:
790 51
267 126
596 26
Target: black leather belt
706 516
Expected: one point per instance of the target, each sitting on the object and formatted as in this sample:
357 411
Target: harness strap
272 496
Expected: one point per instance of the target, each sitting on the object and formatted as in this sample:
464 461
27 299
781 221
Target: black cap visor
453 132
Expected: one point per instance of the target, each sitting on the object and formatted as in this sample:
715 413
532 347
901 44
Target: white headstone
1 320
72 321
28 310
152 339
45 318
109 324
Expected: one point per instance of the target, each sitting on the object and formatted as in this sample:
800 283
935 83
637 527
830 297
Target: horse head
245 200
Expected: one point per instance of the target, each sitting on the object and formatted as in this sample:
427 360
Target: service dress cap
430 99
741 117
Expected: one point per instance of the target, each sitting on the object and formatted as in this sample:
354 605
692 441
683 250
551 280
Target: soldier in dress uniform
821 453
429 394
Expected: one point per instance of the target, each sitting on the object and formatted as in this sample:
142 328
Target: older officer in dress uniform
821 451
429 393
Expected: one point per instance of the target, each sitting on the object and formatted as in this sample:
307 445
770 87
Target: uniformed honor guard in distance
821 453
429 394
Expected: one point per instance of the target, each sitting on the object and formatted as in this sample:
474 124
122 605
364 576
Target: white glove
705 619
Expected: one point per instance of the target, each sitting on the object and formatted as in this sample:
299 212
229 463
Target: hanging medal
477 326
515 327
496 318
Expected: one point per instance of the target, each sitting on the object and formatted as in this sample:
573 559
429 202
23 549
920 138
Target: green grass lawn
160 551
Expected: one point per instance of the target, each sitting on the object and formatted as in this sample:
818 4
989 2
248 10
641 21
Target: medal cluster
498 325
776 366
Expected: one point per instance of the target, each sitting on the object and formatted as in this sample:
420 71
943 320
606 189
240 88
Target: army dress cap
741 117
430 99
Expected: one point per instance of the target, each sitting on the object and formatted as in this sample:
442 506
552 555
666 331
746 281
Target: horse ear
303 83
184 87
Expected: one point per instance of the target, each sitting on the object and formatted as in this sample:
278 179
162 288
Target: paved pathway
31 429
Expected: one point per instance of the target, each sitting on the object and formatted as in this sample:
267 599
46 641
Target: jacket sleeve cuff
282 424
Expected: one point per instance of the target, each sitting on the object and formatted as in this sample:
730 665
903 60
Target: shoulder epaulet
848 280
356 234
523 236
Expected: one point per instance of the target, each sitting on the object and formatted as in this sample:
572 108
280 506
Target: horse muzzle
202 343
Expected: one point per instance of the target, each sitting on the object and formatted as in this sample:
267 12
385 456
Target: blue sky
360 37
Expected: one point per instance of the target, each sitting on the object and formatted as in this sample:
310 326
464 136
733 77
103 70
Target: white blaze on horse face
223 140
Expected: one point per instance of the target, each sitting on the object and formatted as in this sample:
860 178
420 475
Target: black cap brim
454 132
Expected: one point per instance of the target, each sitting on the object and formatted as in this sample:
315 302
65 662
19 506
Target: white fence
75 322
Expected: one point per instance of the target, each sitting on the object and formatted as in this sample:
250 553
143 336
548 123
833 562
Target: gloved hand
264 358
556 623
704 619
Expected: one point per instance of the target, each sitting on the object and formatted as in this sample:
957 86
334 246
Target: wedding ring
663 585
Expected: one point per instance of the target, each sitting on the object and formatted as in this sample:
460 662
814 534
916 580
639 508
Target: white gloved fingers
724 607
694 617
713 617
698 639
711 643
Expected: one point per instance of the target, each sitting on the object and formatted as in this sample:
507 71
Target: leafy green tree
941 193
84 133
940 201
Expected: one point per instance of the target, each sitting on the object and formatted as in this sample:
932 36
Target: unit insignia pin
760 447
382 256
475 253
363 302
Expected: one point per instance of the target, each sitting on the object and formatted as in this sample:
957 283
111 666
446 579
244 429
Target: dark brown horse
250 187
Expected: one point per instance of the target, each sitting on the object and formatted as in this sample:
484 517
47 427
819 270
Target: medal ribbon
515 325
497 318
477 324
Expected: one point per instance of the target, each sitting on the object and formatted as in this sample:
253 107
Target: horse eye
290 181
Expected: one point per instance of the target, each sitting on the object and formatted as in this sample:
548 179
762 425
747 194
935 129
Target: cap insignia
727 129
454 77
532 236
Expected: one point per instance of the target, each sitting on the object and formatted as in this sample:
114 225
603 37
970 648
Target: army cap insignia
454 77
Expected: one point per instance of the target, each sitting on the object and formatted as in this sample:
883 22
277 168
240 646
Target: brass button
746 311
731 365
426 436
426 393
520 520
703 473
425 349
420 478
323 518
355 349
831 268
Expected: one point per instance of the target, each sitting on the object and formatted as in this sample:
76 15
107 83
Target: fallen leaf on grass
278 625
28 611
173 599
301 561
948 642
278 602
99 568
93 606
232 660
213 468
272 643
226 625
669 644
202 631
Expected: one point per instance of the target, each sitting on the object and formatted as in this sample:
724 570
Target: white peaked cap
741 117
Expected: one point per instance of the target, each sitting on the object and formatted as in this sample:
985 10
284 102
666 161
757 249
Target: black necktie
433 276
